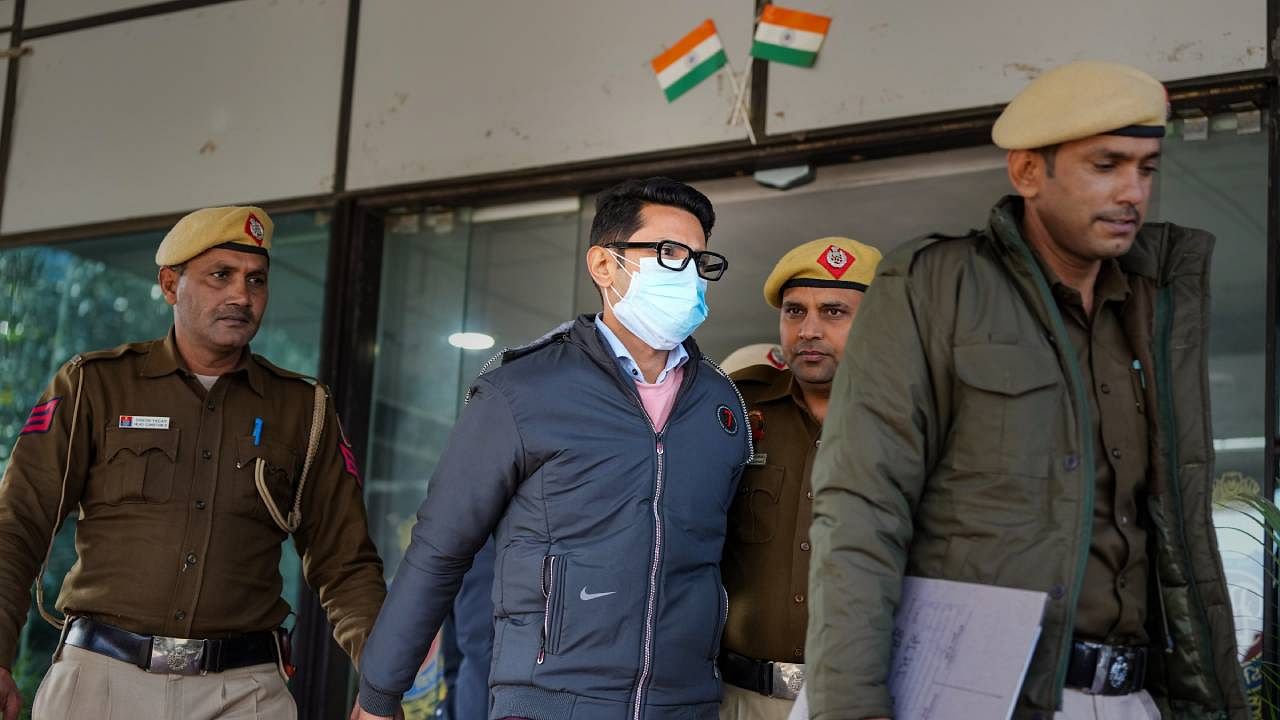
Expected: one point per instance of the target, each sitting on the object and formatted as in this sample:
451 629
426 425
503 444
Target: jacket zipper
1084 534
751 446
724 618
651 600
471 390
548 590
1164 389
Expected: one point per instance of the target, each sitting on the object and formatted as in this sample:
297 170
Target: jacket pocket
139 466
280 471
553 572
722 616
754 513
1008 404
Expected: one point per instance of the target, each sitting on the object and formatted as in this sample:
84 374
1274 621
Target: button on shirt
1113 602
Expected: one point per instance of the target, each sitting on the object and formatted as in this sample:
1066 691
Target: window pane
56 301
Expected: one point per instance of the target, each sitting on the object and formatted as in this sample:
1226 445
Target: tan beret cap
755 354
1080 100
826 262
247 229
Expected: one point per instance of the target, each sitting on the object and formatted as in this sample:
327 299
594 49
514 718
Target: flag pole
739 99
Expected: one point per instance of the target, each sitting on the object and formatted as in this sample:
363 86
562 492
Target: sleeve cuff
378 702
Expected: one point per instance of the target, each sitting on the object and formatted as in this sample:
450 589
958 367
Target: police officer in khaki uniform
189 461
817 287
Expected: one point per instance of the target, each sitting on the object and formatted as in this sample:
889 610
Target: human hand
10 698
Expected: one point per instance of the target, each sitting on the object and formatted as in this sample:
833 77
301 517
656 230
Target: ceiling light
471 341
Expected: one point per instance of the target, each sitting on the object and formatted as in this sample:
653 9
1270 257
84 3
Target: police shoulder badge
728 420
836 260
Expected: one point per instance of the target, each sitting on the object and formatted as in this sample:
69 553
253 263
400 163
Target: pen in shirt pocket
257 431
1140 386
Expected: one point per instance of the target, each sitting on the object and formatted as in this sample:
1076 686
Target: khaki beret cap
826 262
247 229
755 354
1080 100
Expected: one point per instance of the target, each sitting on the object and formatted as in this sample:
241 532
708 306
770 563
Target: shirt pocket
139 466
754 513
280 472
1007 408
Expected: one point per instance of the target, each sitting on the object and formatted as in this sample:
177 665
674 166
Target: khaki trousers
86 686
740 704
1081 706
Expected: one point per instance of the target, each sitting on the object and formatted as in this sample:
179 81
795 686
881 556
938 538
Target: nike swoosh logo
592 596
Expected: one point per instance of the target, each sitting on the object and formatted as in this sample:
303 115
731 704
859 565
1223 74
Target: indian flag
695 58
789 36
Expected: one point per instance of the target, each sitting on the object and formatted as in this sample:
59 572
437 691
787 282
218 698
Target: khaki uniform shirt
173 538
1113 602
766 554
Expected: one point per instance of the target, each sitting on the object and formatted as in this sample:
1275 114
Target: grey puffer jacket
607 595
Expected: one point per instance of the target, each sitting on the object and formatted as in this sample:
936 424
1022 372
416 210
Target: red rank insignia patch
348 456
836 261
349 460
41 418
755 419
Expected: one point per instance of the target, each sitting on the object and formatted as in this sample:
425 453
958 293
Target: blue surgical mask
662 307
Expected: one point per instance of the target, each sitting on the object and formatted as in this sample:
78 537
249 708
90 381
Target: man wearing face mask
603 457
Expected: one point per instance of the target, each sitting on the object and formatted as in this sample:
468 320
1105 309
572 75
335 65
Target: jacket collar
163 359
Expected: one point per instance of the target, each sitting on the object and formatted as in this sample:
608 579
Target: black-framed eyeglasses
676 256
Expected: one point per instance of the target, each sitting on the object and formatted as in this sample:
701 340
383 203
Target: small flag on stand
695 58
789 36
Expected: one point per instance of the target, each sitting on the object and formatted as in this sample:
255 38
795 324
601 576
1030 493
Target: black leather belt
173 656
772 679
1099 669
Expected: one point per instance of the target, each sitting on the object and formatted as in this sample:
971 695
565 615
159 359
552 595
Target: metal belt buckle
788 678
1112 670
176 656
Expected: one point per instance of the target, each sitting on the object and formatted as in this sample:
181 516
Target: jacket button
799 598
179 615
1057 591
206 454
210 405
804 546
199 504
1115 453
1071 462
191 558
809 495
797 653
1105 388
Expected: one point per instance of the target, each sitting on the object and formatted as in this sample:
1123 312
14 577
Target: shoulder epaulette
899 260
139 348
287 374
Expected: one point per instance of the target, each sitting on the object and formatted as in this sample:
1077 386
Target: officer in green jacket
1027 406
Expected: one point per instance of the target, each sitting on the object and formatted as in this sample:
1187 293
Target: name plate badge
144 422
